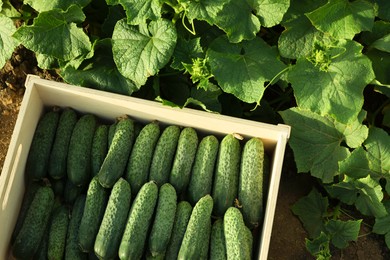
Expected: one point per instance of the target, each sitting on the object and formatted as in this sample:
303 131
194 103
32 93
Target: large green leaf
7 42
378 152
343 19
242 69
141 53
297 40
300 7
354 132
204 10
342 232
384 9
332 80
380 64
43 5
382 44
99 72
319 246
356 165
185 52
139 11
316 143
312 210
270 12
55 33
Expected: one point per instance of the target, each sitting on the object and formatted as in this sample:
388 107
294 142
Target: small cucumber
59 152
198 230
116 159
72 249
236 236
227 171
114 220
184 158
249 241
217 241
34 226
39 154
164 154
79 154
138 223
203 169
95 205
137 171
99 148
183 214
57 234
250 187
163 221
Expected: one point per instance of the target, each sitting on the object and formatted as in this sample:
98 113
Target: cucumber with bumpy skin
114 220
197 231
59 152
226 175
163 220
116 159
183 214
57 234
79 154
164 154
99 148
184 158
137 171
250 187
217 241
140 217
39 154
203 169
33 228
95 205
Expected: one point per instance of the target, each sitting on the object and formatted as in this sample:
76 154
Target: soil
288 235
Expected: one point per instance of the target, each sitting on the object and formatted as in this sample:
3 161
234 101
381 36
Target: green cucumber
58 186
226 175
164 154
203 169
116 159
198 230
72 249
79 154
41 253
114 220
57 234
34 226
71 192
138 223
137 171
184 158
95 205
163 221
183 214
217 241
236 236
99 148
39 154
249 241
59 152
111 133
250 187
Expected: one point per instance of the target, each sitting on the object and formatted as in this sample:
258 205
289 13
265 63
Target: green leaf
378 152
384 9
55 33
315 142
242 69
343 19
46 62
206 99
311 210
7 42
300 7
297 40
356 164
342 232
382 44
185 52
204 10
366 193
140 54
355 132
379 30
138 12
332 80
43 5
238 21
99 72
270 12
380 64
7 9
319 247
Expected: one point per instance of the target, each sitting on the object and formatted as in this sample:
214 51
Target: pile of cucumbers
127 190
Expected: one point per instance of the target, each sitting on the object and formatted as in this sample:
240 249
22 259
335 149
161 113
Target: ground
288 235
